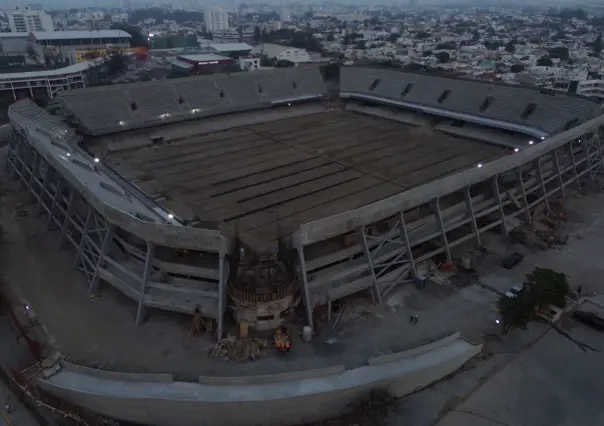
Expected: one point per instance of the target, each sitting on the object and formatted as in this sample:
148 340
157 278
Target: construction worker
282 340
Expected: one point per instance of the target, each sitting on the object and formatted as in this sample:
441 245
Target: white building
590 88
28 20
216 19
282 53
285 15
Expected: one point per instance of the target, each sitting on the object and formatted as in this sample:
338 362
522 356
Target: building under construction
255 192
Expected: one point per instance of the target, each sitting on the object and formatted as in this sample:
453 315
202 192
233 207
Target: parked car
515 291
590 319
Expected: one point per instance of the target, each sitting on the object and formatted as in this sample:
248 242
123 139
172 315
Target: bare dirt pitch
272 177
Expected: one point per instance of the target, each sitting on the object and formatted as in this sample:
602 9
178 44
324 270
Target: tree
422 35
510 47
542 287
516 68
559 36
413 67
492 45
442 57
596 46
393 37
544 61
116 63
361 45
284 63
257 34
560 53
330 37
137 39
515 313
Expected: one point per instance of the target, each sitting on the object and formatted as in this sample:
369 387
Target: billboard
90 54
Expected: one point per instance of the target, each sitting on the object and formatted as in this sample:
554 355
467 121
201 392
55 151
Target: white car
515 291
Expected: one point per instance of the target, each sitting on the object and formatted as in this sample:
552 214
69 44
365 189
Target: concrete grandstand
163 187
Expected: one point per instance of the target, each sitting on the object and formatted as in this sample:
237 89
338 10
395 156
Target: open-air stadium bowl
152 183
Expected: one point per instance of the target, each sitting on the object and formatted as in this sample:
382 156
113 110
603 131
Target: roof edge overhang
505 125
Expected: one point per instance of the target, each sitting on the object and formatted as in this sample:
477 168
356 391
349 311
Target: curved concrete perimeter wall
295 397
353 219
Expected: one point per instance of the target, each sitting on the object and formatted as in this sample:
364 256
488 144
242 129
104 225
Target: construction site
223 227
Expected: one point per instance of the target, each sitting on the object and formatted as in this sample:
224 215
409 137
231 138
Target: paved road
16 414
532 378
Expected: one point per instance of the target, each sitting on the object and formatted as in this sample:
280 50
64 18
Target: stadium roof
14 35
79 67
69 35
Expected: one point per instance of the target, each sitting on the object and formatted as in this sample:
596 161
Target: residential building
216 19
285 15
28 20
282 53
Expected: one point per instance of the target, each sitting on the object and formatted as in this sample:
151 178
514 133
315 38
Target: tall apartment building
28 20
285 15
216 19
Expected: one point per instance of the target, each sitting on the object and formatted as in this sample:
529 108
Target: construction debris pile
240 350
21 210
544 231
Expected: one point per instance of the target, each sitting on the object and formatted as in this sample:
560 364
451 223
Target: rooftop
230 47
69 35
203 57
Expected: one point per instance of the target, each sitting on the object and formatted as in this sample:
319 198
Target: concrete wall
5 132
283 399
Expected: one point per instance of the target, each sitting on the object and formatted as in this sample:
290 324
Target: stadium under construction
166 188
250 196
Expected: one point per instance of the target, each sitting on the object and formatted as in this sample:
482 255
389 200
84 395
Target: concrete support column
405 236
305 289
556 160
588 163
571 155
441 226
221 294
537 165
83 237
70 207
497 196
94 283
470 212
58 194
140 311
43 187
522 190
376 296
